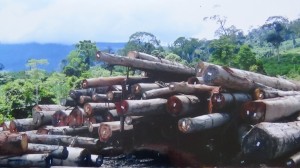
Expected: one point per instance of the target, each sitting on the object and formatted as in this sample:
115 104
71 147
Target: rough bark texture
114 96
185 88
204 122
75 94
139 88
41 118
11 143
27 160
91 108
181 105
85 99
48 107
77 157
143 107
55 151
271 140
259 94
99 97
21 125
145 65
229 100
109 129
270 109
60 118
158 93
76 117
244 80
109 81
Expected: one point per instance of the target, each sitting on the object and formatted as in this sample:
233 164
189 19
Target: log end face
210 75
24 142
184 125
218 101
104 132
253 112
13 127
174 106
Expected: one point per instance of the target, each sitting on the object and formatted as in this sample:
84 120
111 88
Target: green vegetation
273 49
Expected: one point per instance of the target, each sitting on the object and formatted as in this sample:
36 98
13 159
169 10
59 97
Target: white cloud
68 21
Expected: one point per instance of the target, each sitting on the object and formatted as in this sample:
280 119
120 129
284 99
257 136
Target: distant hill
15 56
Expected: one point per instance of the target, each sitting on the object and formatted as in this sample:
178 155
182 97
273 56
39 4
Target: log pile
212 115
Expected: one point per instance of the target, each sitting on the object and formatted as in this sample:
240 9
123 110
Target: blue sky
68 21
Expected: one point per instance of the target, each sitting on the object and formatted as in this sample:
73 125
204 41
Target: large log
201 67
60 118
48 107
195 80
20 125
77 117
204 122
270 109
144 56
158 93
77 157
99 97
27 160
185 88
55 151
259 94
139 88
68 102
180 105
294 160
75 94
244 80
145 65
41 118
85 99
111 129
229 100
91 108
65 130
266 141
142 107
109 81
114 96
13 143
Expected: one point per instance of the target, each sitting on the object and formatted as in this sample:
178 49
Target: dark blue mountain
15 56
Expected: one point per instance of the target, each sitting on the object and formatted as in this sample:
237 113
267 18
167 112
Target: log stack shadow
177 115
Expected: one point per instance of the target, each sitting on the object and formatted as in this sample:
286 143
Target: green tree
246 58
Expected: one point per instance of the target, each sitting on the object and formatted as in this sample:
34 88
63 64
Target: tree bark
203 122
293 161
75 94
114 96
77 157
107 130
13 143
180 105
99 97
60 118
229 101
27 160
109 81
260 94
244 80
158 93
201 67
76 117
140 88
55 151
195 80
20 125
142 107
5 125
91 108
270 109
68 102
271 140
48 107
85 99
185 88
145 65
41 118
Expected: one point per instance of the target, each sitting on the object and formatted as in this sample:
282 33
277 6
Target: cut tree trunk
158 93
114 96
244 80
108 130
195 80
85 99
11 143
5 125
294 160
41 118
180 105
204 122
68 102
268 141
77 157
60 118
48 107
75 94
185 88
27 160
140 88
144 56
91 108
201 67
99 97
76 117
142 107
55 151
145 65
21 125
260 94
229 101
109 81
65 130
270 109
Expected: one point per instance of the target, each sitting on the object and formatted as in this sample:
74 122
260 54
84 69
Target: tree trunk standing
13 143
41 118
158 93
244 80
144 56
181 105
204 122
91 108
112 130
271 140
91 144
21 125
270 109
99 97
229 101
68 102
77 157
75 94
60 118
48 107
145 65
185 88
27 160
142 107
114 96
267 94
55 151
140 88
76 117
